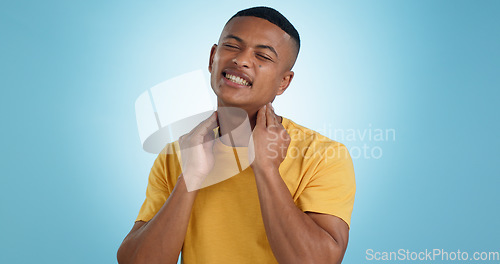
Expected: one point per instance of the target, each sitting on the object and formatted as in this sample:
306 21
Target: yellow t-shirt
226 223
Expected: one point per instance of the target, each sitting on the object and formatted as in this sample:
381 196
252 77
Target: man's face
251 63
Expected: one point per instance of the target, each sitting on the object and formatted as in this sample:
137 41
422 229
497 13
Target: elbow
328 253
324 253
336 253
121 255
125 255
138 255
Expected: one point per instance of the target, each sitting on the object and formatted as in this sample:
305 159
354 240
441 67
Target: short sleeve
332 187
157 191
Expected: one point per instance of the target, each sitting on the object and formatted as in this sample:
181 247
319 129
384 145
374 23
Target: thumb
208 125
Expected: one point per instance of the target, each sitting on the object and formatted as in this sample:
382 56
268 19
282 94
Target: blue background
73 174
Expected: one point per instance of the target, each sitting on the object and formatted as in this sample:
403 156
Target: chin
232 102
231 97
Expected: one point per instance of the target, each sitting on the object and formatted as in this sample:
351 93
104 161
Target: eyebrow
260 46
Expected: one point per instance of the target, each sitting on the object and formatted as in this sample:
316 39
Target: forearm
293 236
160 240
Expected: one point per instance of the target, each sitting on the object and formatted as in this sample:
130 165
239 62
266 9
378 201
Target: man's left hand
269 141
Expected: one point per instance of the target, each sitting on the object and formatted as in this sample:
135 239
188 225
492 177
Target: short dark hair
274 17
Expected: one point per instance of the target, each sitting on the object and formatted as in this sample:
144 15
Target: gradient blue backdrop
73 174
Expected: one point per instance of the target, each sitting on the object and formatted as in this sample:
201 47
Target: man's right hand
160 239
197 152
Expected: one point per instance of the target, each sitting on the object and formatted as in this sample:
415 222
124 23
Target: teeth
237 79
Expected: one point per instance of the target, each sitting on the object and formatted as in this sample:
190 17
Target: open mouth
236 79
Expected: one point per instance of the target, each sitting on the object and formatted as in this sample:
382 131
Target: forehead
254 30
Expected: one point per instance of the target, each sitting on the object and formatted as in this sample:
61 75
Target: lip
233 84
238 74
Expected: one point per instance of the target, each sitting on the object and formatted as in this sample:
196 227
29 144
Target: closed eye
231 46
265 57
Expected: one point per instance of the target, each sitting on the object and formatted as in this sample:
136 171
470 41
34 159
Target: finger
207 125
261 117
275 117
284 134
269 116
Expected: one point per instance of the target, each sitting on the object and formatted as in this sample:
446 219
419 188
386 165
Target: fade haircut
274 17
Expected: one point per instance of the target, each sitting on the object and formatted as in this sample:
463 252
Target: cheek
275 82
215 62
266 74
272 83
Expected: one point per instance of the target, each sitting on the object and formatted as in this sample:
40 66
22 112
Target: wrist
264 169
191 183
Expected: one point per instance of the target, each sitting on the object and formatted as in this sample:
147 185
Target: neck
238 124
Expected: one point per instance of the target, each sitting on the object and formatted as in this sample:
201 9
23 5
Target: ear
212 54
285 82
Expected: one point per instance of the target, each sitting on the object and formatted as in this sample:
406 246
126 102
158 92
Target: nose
243 59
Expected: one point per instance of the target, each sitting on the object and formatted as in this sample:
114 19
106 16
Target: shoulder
168 162
304 137
326 172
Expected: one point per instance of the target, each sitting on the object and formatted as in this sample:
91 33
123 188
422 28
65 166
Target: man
292 205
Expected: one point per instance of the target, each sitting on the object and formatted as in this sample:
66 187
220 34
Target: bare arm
294 236
160 239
